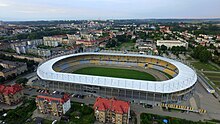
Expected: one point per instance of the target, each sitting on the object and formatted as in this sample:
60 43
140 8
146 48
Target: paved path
157 110
7 107
193 103
202 99
28 76
217 72
217 66
208 102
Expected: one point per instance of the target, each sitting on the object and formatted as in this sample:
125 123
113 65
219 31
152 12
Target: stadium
121 76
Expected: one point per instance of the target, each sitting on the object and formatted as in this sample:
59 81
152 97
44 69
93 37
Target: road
28 76
202 99
217 72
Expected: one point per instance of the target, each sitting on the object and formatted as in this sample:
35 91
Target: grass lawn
214 77
77 114
204 66
147 118
114 72
126 45
21 113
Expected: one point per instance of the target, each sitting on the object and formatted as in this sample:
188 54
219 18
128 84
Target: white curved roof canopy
184 79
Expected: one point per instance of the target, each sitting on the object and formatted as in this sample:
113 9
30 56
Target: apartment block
54 41
171 43
112 111
11 94
12 68
54 104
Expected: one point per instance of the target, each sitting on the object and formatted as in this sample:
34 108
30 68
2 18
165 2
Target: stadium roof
184 79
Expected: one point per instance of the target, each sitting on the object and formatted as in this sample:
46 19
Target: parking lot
201 97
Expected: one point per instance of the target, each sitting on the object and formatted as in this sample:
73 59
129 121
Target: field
204 66
115 72
78 114
147 118
126 46
214 77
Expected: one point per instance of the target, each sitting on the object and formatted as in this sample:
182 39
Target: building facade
171 43
54 104
86 43
112 111
12 68
11 94
54 41
39 52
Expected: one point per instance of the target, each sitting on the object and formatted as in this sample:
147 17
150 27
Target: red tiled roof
49 98
86 41
60 36
118 106
10 89
2 87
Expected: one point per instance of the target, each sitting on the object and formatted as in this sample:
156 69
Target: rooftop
117 106
10 89
54 97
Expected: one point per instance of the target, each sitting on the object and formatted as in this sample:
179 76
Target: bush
22 81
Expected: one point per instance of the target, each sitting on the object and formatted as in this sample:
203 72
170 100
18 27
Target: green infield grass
115 72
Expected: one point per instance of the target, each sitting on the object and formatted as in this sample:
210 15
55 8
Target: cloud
4 5
107 9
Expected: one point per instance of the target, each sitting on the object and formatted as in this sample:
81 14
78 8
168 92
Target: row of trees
147 118
21 113
22 81
118 40
202 54
39 34
30 63
174 49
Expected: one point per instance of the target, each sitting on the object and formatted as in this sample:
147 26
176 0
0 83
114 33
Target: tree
202 54
2 79
1 67
112 43
197 51
163 47
205 56
121 38
22 81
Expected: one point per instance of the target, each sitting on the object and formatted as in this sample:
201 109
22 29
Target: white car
54 122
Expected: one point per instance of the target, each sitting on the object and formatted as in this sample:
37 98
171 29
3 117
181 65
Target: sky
22 10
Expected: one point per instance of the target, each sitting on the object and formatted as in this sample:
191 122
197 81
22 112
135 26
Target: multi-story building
54 104
35 42
88 37
171 43
218 37
51 43
11 68
18 43
39 52
21 46
112 111
73 37
54 41
11 94
86 42
144 45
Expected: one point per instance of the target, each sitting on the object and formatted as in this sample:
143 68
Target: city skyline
18 10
